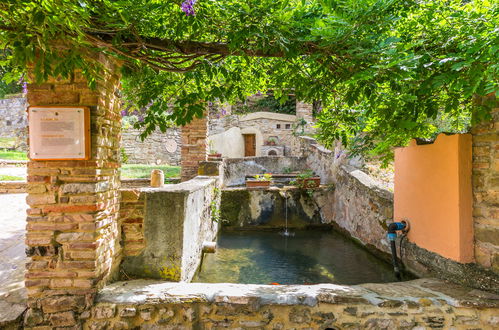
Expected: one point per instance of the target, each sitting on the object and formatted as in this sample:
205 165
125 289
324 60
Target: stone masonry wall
194 147
157 148
72 225
14 119
486 192
419 304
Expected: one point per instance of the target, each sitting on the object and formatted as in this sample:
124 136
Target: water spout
286 232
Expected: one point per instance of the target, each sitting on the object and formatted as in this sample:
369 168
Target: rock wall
486 192
419 304
164 228
157 148
14 120
362 208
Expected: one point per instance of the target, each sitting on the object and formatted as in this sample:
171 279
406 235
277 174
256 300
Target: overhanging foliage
384 71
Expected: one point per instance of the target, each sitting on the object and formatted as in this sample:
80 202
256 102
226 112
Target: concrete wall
157 148
433 192
164 229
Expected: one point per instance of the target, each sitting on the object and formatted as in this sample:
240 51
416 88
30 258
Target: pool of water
308 257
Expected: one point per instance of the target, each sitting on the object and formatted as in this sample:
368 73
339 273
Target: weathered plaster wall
164 228
157 148
486 192
229 143
236 169
433 192
266 208
72 225
14 119
419 304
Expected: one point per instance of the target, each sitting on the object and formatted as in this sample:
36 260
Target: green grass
13 155
138 171
10 178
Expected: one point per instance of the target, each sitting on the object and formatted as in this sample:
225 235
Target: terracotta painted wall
433 191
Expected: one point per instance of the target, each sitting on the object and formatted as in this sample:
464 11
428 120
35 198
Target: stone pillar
72 224
304 111
486 192
194 147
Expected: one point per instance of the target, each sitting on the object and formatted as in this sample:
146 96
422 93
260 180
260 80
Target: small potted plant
259 181
212 153
271 141
307 180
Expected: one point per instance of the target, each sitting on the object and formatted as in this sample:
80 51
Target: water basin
308 257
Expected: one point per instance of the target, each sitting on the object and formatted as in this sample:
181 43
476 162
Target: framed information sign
58 132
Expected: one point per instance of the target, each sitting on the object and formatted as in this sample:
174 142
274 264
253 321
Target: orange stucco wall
433 191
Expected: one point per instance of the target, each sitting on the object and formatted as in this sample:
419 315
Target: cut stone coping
421 291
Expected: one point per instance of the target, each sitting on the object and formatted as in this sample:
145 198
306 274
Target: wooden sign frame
85 134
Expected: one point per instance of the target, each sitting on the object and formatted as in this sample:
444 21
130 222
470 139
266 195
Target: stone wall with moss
266 208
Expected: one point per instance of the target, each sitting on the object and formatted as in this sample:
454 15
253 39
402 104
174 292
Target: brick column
72 225
486 192
194 146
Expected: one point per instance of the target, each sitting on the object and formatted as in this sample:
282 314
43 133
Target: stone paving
12 257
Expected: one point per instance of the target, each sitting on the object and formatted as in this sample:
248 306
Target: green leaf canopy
383 70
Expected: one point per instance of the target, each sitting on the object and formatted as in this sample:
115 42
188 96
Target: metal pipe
392 237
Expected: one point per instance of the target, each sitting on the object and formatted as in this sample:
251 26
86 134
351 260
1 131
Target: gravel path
12 257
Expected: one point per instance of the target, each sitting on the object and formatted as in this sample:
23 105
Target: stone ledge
194 184
367 181
422 292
